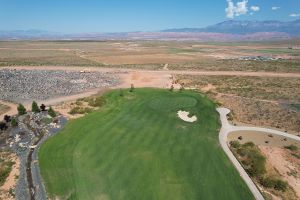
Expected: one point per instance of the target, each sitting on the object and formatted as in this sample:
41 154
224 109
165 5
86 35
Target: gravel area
28 85
33 129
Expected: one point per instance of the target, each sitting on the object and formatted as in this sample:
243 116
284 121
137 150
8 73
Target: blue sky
73 16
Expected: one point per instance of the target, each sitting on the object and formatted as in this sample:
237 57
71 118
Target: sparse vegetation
251 158
291 147
254 100
5 168
95 101
51 112
80 110
254 163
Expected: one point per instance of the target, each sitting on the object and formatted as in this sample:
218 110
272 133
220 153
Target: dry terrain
3 108
261 101
286 163
152 55
9 169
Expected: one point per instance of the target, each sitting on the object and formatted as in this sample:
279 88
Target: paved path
227 129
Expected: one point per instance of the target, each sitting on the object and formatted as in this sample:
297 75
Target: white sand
184 116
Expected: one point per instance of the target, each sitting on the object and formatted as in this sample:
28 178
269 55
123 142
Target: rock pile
27 85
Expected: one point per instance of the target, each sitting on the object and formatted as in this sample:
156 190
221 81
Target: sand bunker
185 116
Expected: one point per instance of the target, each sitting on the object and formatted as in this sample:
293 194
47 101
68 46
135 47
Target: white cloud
275 8
295 15
240 8
255 8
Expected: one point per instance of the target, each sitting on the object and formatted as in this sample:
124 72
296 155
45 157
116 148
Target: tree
131 88
14 122
43 107
21 109
35 107
7 118
3 126
51 112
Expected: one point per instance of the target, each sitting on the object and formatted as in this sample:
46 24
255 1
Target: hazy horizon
133 15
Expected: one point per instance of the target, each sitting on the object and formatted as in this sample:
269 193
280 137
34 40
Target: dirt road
161 72
137 77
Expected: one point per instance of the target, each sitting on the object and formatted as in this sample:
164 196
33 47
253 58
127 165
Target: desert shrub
291 147
280 185
5 170
253 161
78 103
96 102
51 112
14 122
80 110
21 109
11 192
249 144
242 152
267 182
258 162
34 107
235 144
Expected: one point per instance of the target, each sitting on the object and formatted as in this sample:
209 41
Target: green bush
14 122
291 147
21 109
267 182
235 144
51 112
249 145
34 107
280 185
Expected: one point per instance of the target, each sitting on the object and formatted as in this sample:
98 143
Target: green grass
135 147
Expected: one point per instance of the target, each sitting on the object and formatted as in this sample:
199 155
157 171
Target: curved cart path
226 129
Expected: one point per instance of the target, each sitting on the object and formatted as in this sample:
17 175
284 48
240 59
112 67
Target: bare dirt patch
11 180
285 164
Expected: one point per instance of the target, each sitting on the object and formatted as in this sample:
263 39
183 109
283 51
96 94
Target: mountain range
232 30
247 27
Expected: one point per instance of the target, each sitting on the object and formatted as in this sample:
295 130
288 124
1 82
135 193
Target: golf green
136 147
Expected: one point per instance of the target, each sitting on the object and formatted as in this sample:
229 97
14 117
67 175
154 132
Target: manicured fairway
136 148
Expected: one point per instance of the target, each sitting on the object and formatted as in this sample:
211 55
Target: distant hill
28 34
225 31
246 27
